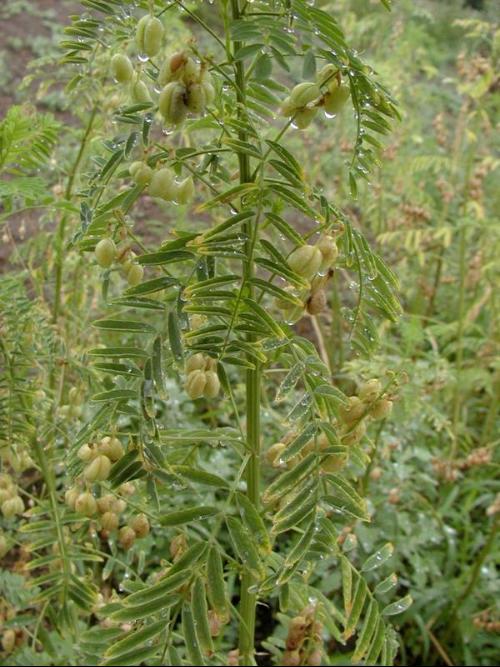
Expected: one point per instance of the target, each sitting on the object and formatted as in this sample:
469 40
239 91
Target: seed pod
353 411
304 93
127 489
141 174
195 363
212 384
73 396
191 71
196 99
305 260
376 473
178 546
9 640
86 504
172 69
12 506
287 108
326 75
135 274
208 86
86 453
334 462
214 623
109 521
126 537
112 448
118 506
354 435
171 103
315 658
316 302
370 391
334 101
274 453
162 184
195 384
122 68
75 411
105 253
148 35
4 545
329 251
5 494
291 658
140 92
185 191
381 409
104 503
304 118
98 470
70 497
140 525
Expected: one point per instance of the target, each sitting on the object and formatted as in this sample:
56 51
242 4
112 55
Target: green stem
61 230
457 402
248 599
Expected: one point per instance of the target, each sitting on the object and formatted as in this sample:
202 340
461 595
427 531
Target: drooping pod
162 184
304 117
105 253
148 35
141 172
140 92
171 103
334 100
196 98
135 274
185 191
305 260
208 86
304 93
121 68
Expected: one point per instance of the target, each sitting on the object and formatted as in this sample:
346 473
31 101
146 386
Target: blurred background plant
431 213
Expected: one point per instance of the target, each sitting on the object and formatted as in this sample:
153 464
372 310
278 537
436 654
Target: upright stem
248 598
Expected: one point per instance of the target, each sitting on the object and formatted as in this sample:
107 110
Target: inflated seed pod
195 384
287 108
12 506
162 184
98 470
139 92
4 546
126 537
214 623
140 525
109 521
370 391
305 260
118 506
208 86
9 640
105 253
334 462
212 384
112 448
86 453
329 251
73 396
141 173
127 489
315 658
304 93
178 546
104 503
334 100
185 191
191 71
121 68
86 504
172 69
196 98
135 274
353 411
70 497
5 494
316 302
196 362
291 658
381 409
304 117
148 35
326 75
354 435
172 103
274 453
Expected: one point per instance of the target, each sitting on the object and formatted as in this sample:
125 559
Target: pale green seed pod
195 384
208 86
317 302
185 191
353 411
70 497
118 506
148 35
12 506
86 453
381 409
139 92
329 251
9 640
5 494
304 117
121 68
326 75
127 537
304 93
171 103
127 489
273 454
73 395
162 184
287 108
112 448
135 274
335 100
105 503
105 253
196 98
172 69
140 525
109 521
141 173
334 462
355 435
305 260
212 385
86 504
191 71
370 391
4 548
197 362
98 470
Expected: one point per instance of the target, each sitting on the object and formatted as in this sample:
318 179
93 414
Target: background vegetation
429 209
